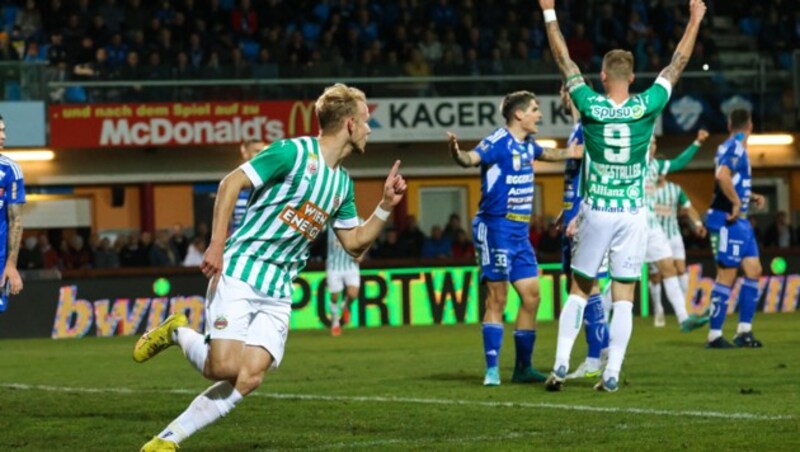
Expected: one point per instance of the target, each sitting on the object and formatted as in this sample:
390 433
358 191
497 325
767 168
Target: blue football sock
492 341
524 340
719 305
596 327
748 299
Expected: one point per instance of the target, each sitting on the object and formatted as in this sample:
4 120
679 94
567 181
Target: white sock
570 323
676 297
684 280
334 313
655 296
593 363
193 345
744 328
607 302
714 334
620 331
214 403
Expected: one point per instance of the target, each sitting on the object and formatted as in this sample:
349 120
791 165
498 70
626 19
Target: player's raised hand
547 4
395 186
452 143
702 135
697 9
758 200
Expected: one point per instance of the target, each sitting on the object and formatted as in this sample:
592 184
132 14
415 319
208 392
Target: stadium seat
12 90
250 49
75 94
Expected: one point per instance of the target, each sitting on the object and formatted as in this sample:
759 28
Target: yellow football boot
159 338
159 445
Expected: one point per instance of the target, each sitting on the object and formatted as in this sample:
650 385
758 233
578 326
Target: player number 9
618 136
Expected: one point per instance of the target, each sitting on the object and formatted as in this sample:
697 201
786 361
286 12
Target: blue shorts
733 242
504 249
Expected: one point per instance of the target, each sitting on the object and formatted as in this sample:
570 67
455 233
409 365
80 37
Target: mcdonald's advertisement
226 123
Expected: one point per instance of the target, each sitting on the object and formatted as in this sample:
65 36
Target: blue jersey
507 176
733 155
572 178
12 191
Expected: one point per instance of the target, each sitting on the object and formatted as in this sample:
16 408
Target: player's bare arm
356 241
697 223
558 155
227 194
558 46
726 185
14 239
464 159
697 9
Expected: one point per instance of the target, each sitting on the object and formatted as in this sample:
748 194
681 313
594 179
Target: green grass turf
666 375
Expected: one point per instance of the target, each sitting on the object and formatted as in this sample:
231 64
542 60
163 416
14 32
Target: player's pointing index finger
394 170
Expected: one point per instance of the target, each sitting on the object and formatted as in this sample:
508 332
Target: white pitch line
422 401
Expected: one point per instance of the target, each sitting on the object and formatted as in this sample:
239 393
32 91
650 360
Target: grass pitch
411 389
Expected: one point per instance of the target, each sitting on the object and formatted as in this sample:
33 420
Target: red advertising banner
178 123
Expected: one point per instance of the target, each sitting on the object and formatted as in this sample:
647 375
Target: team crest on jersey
221 323
337 200
517 162
634 192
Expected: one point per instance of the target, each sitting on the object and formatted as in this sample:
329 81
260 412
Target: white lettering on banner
159 131
470 118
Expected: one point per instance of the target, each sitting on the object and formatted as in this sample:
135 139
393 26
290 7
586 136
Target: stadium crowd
178 247
182 39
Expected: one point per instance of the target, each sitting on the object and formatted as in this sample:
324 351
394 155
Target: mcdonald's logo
306 110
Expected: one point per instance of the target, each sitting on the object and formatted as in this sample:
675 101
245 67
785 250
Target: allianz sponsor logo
634 112
602 190
519 179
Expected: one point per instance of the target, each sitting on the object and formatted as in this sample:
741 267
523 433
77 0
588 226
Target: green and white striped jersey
338 260
669 199
617 138
294 195
655 168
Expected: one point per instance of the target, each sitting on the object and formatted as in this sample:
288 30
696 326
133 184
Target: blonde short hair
618 64
337 103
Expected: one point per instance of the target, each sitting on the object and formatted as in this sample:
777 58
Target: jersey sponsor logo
602 190
305 109
518 217
619 171
308 220
520 191
519 179
634 112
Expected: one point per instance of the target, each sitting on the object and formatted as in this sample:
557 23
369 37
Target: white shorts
678 250
338 280
658 246
621 235
238 311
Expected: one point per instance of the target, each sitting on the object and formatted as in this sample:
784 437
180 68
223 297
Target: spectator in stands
437 246
113 14
453 227
535 231
117 51
30 256
104 255
98 31
756 230
53 17
390 247
430 47
135 253
50 258
779 233
550 243
179 241
462 246
412 238
76 255
580 48
194 254
56 52
162 252
29 20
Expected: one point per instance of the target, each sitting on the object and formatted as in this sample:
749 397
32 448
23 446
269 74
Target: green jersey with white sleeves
294 196
669 199
659 167
617 139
